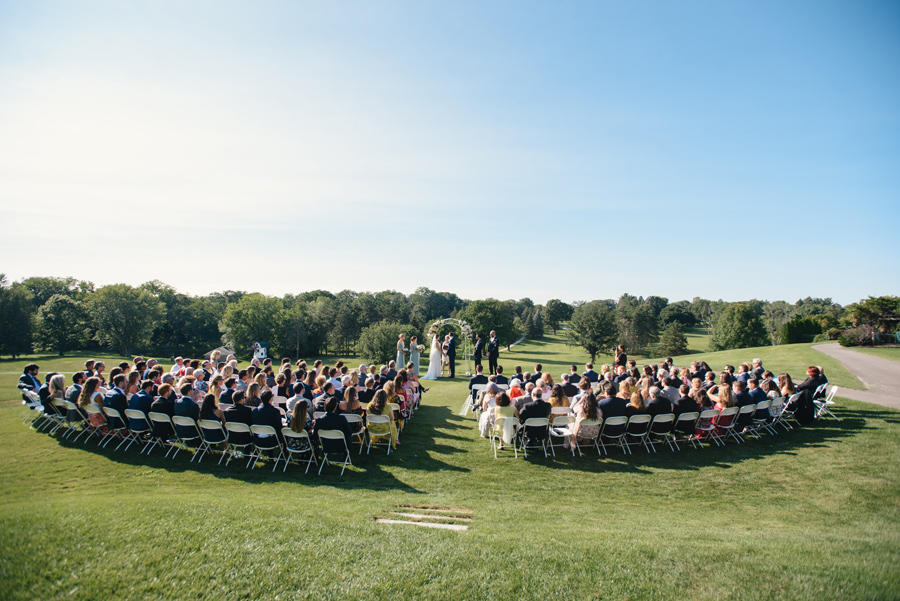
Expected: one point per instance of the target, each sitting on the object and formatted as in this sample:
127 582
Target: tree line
60 314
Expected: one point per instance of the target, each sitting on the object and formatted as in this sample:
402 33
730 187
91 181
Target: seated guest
378 406
516 389
685 403
537 372
351 404
589 373
72 394
669 390
786 385
238 413
585 409
251 398
296 398
584 386
504 408
659 404
141 401
742 399
611 406
743 373
230 387
755 392
210 410
115 399
368 393
267 415
391 372
187 407
536 407
478 378
757 371
28 380
636 405
321 400
569 389
621 374
332 420
165 404
709 380
519 375
501 379
573 374
88 368
813 380
558 397
300 422
770 387
674 378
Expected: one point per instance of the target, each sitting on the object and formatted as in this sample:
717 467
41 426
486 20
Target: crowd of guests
302 397
624 389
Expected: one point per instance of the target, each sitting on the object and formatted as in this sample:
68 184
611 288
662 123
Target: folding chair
358 427
614 430
819 392
727 421
559 411
762 418
135 430
789 408
120 426
236 431
395 408
335 439
662 426
504 432
190 434
592 441
473 398
82 422
160 422
31 401
686 423
636 429
776 410
823 404
212 433
318 414
707 427
561 429
92 410
538 428
265 440
379 429
59 416
304 447
744 418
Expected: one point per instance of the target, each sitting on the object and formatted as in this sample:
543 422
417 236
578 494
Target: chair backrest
237 428
318 414
210 425
155 416
536 422
726 416
751 408
110 412
31 397
353 418
638 423
708 413
182 420
563 420
762 408
831 394
793 398
615 426
560 411
662 423
820 390
392 406
377 419
334 437
478 387
135 414
776 406
690 416
288 433
502 386
279 400
70 406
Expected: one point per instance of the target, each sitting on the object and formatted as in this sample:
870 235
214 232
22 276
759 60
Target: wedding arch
465 333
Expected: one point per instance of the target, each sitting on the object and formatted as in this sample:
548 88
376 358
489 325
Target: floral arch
465 334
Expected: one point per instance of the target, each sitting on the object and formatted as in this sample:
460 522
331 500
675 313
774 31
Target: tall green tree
556 312
254 318
124 317
42 288
16 318
378 341
62 324
679 312
738 326
490 314
673 342
593 328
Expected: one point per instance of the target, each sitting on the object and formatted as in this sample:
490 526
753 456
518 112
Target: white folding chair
212 433
136 433
237 432
161 422
472 398
636 431
302 445
822 405
787 412
84 423
727 421
336 438
265 440
662 426
761 418
776 410
504 432
537 424
561 430
120 428
614 430
379 432
92 410
744 418
706 426
592 441
189 433
318 414
358 428
686 423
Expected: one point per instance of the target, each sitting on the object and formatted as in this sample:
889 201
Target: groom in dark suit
451 354
479 348
493 352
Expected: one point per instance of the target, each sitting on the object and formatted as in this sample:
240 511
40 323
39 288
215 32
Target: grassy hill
808 514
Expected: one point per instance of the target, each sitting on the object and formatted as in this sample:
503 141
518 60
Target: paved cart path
881 376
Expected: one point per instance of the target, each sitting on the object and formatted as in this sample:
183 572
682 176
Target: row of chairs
255 442
642 430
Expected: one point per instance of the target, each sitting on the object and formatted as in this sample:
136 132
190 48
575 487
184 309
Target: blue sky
573 150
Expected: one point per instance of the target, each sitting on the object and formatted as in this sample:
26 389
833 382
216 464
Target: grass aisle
810 514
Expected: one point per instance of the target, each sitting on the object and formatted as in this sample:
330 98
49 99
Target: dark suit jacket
493 347
570 389
164 405
536 376
659 406
72 396
333 421
141 401
187 407
535 408
30 382
479 348
240 414
502 380
811 383
591 375
391 374
451 347
225 397
613 407
267 415
115 399
684 404
757 373
476 379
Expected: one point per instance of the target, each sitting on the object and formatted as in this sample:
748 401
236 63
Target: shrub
862 336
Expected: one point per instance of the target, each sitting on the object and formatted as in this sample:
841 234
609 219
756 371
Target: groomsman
493 352
479 348
451 354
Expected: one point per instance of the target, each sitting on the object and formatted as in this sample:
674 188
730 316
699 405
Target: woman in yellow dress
378 406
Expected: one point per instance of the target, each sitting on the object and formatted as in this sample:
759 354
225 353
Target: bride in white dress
434 360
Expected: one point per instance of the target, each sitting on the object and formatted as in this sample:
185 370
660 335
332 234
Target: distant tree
536 326
42 288
738 326
673 342
656 304
378 342
775 315
800 329
124 317
254 318
592 327
61 324
679 312
16 318
295 328
490 314
636 323
556 312
881 313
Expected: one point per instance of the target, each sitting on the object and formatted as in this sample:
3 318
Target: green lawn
885 352
810 514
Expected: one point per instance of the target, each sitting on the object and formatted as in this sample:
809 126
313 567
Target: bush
861 336
378 342
800 329
821 338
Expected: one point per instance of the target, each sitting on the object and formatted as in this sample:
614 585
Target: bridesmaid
401 348
413 354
